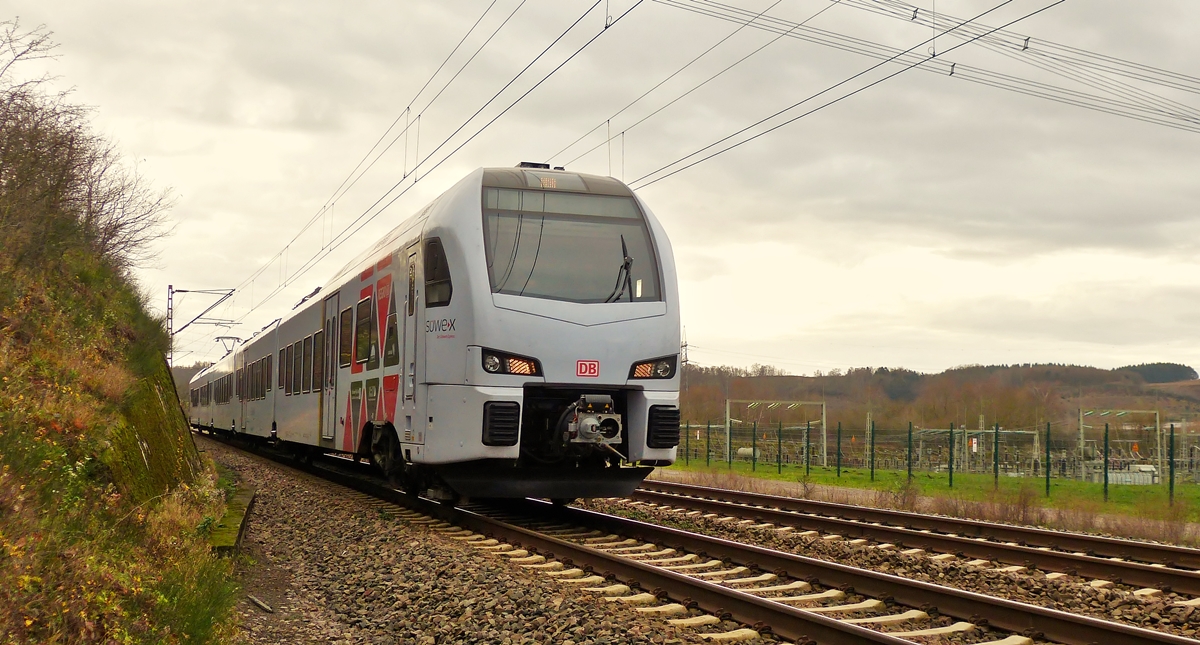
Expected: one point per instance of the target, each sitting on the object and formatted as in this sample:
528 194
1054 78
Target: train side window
285 371
297 366
362 330
268 376
346 338
412 286
391 344
318 354
282 369
306 375
437 275
258 379
240 376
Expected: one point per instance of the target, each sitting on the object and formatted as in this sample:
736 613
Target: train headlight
501 363
660 368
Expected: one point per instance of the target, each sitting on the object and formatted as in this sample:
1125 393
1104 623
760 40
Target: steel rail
1031 620
788 622
1095 545
1131 573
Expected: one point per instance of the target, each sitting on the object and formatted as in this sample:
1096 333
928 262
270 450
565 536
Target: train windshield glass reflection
567 246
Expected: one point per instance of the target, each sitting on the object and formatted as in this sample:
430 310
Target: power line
339 190
367 216
641 180
1083 57
697 86
1016 48
660 83
1141 112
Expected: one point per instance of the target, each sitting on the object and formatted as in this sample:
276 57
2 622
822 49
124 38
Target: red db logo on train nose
589 369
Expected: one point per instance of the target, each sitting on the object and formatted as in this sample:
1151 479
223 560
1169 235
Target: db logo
589 369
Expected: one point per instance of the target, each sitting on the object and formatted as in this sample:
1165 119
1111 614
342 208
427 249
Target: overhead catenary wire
665 80
350 177
695 87
1082 57
645 180
1014 47
942 66
380 205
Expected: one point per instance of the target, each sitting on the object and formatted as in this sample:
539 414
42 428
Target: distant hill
1016 396
1163 372
183 375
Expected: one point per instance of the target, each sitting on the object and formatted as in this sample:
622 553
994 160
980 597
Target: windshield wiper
624 276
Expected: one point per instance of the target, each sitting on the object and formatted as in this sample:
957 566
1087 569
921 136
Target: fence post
951 455
996 456
1106 462
1171 467
872 451
1047 464
779 449
687 444
708 443
754 447
729 447
839 449
910 450
807 447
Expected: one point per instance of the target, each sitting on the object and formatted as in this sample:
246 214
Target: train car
519 336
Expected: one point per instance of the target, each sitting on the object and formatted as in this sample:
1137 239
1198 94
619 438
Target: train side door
239 371
329 407
409 353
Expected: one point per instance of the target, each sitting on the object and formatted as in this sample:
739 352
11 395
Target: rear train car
519 336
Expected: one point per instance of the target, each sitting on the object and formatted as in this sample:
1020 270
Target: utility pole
171 331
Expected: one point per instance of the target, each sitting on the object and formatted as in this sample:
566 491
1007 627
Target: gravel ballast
337 569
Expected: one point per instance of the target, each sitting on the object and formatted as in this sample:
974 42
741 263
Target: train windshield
568 246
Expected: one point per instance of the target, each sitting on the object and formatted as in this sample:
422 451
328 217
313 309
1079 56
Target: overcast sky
926 222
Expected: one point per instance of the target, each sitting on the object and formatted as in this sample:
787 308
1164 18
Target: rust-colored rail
906 529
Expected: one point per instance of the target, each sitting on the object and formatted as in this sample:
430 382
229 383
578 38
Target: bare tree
59 182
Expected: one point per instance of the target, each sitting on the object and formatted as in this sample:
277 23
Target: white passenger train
519 336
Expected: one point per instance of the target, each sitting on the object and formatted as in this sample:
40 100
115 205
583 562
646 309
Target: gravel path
1066 594
338 570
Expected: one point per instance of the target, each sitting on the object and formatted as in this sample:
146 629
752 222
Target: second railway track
1138 564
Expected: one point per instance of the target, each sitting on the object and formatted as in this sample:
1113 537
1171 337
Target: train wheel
384 449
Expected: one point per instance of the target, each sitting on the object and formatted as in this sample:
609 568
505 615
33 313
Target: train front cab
566 311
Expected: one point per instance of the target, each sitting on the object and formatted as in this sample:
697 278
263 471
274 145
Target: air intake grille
502 422
662 429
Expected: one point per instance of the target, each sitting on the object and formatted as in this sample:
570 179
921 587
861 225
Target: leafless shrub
59 182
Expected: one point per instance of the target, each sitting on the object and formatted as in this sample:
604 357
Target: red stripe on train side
391 388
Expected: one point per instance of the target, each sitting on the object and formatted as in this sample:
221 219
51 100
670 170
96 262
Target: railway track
699 580
1151 567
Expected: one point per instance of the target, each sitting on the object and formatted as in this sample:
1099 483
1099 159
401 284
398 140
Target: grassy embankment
1136 511
104 501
